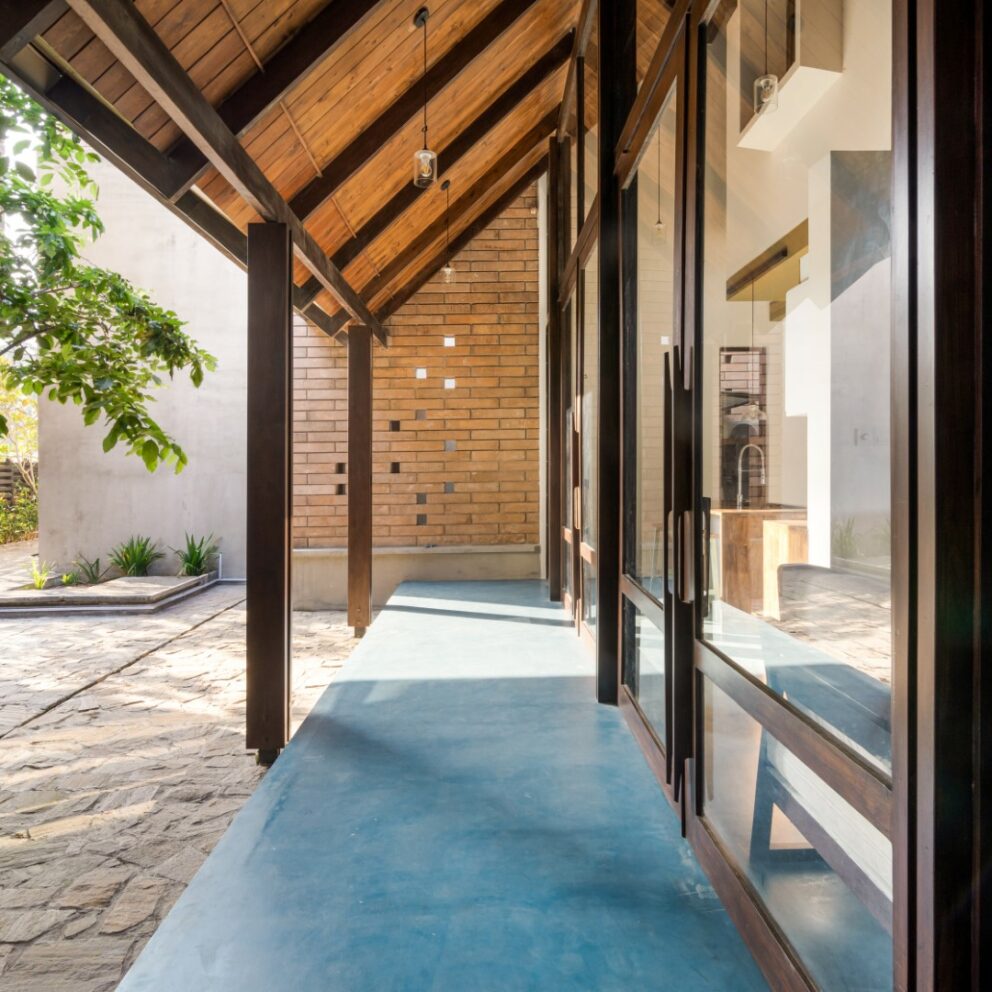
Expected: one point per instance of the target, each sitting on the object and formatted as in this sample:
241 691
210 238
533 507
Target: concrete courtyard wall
90 500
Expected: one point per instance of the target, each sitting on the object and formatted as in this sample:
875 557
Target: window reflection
644 666
796 339
823 871
655 336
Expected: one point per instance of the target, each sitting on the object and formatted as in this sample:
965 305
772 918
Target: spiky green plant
70 578
40 571
197 556
89 571
135 556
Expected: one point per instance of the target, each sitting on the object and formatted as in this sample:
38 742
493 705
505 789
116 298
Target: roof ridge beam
461 54
301 55
462 144
134 42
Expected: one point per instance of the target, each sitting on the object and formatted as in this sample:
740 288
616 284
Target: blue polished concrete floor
457 814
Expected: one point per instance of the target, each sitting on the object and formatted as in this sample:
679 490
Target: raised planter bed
128 594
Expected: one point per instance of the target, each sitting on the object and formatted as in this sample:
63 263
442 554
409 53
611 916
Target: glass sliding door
652 263
793 462
588 400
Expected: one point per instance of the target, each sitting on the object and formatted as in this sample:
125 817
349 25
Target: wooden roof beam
410 103
289 67
501 107
21 21
473 230
489 181
583 31
458 243
119 25
136 157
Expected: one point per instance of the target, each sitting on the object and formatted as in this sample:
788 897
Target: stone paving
122 762
15 563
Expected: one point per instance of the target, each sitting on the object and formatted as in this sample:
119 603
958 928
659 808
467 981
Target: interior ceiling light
447 270
424 160
659 224
766 85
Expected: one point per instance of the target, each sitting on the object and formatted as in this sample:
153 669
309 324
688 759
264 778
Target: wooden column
360 479
617 89
553 360
270 497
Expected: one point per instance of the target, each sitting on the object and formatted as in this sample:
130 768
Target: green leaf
149 454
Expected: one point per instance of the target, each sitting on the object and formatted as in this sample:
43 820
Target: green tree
70 330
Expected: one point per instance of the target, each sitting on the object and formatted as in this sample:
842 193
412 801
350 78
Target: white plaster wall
91 500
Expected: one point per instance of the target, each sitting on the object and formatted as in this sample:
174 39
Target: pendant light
766 85
424 160
659 224
447 270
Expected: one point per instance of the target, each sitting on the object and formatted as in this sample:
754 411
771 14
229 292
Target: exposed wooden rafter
458 243
22 20
289 67
490 180
444 70
583 31
137 158
448 156
139 49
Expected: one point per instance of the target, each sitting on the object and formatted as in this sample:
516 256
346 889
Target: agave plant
89 570
135 556
198 555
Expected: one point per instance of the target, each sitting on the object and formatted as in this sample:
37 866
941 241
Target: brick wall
455 407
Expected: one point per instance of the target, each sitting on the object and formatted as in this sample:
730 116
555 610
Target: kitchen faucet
740 469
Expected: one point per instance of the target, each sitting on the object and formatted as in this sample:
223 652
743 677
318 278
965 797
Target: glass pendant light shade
448 272
766 93
766 85
424 168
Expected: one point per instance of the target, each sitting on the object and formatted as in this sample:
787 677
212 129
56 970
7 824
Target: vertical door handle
686 559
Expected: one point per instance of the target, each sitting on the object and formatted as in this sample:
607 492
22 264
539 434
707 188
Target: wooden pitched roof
309 111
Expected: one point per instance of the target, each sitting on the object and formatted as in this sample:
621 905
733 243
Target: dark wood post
270 497
553 361
617 89
360 479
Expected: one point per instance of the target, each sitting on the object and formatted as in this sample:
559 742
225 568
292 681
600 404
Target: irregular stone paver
127 771
15 563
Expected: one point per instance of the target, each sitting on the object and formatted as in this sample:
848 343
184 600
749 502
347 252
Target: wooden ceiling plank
21 21
500 108
134 42
289 67
439 75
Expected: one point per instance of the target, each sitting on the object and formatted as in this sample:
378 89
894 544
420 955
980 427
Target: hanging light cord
766 37
659 175
425 83
447 225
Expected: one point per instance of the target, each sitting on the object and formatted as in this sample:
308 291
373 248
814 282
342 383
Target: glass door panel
651 205
589 433
795 458
793 462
